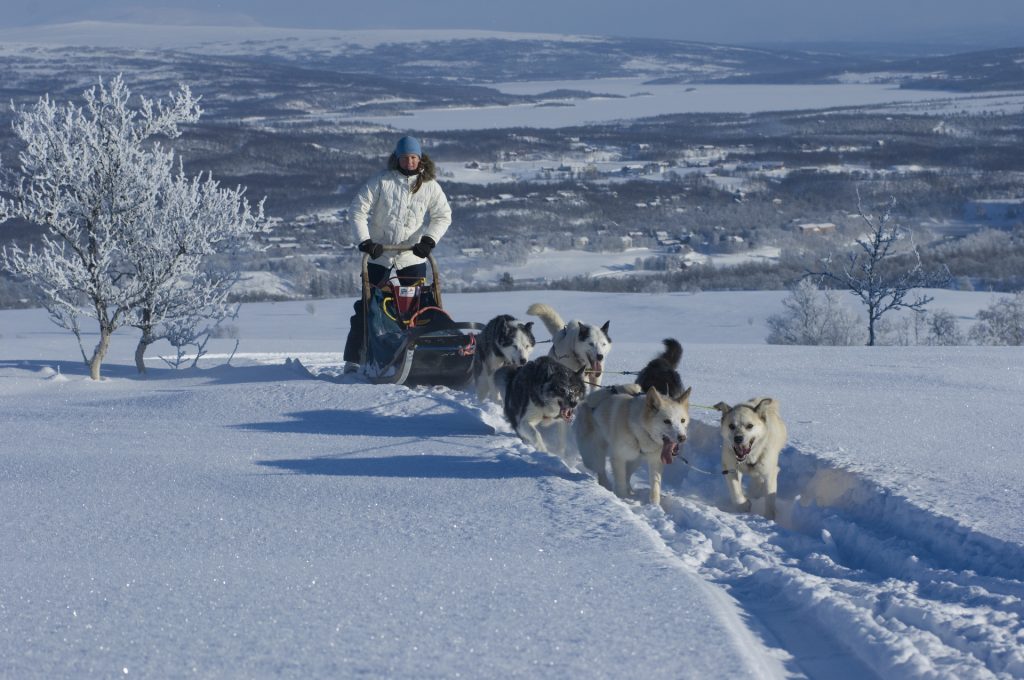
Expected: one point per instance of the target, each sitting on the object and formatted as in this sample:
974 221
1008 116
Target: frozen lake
631 98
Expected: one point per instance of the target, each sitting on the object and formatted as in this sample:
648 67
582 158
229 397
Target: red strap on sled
470 347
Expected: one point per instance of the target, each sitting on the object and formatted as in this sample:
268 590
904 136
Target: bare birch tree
876 273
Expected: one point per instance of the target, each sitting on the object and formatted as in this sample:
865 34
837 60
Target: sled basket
410 339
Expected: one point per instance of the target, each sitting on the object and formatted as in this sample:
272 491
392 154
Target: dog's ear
764 406
653 399
581 373
604 328
685 396
723 407
528 326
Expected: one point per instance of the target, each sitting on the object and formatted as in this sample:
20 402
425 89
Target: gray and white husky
576 344
753 435
504 341
542 392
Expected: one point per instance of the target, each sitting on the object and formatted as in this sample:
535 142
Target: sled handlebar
401 249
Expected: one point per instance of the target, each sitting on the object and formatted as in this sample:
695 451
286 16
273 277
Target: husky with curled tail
753 435
662 372
542 393
504 341
576 344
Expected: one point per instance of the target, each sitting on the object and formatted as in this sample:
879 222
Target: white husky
753 435
628 425
575 344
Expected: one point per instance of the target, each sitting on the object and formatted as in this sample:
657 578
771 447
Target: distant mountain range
469 58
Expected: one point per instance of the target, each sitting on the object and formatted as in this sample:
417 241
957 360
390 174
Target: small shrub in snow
1001 323
943 329
814 317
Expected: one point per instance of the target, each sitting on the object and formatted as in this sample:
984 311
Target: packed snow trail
851 581
908 594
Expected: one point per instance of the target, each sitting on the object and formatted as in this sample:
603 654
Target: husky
504 341
661 372
541 392
627 428
575 344
753 435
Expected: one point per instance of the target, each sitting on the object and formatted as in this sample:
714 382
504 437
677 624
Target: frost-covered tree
878 273
121 226
183 296
813 317
1001 323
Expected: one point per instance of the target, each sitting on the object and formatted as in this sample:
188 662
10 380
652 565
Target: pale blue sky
730 21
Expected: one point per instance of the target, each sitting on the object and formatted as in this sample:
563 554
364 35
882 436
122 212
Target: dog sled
409 339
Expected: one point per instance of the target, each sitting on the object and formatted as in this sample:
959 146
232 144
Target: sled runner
409 338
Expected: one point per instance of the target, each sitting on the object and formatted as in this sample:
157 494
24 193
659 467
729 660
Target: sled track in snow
896 591
852 581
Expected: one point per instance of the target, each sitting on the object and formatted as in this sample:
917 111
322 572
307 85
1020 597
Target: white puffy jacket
387 211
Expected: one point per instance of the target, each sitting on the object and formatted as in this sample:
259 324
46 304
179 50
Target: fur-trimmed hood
427 170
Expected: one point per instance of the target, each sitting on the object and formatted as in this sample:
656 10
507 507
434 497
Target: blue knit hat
408 145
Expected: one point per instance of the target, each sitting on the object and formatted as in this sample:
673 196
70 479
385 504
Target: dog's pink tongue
565 413
669 448
598 369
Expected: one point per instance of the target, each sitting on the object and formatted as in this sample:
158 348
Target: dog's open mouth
741 451
596 369
566 413
669 449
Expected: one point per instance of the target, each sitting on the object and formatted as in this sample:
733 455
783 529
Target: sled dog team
623 425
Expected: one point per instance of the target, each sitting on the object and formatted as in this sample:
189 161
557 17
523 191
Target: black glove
423 248
374 250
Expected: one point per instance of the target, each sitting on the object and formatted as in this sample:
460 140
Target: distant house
815 227
472 252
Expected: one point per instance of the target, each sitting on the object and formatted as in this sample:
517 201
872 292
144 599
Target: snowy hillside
249 521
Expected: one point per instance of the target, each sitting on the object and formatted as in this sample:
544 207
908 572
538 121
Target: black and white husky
661 372
504 341
542 392
576 344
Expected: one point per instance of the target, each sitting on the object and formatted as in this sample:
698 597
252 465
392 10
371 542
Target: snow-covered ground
245 520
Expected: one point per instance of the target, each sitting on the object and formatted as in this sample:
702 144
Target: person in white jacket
401 206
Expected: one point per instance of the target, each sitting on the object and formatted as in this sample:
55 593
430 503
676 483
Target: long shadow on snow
424 467
363 424
219 374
